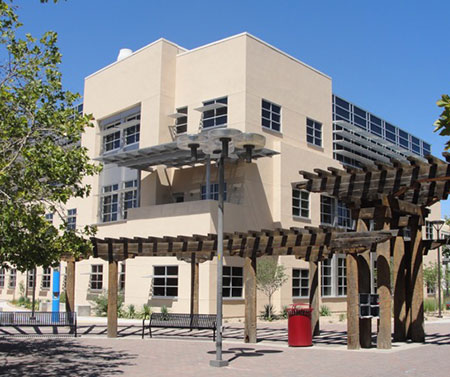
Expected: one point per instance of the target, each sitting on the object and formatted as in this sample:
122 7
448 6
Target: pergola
309 243
392 195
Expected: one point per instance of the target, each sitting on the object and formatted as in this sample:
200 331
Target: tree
42 164
430 276
270 276
443 123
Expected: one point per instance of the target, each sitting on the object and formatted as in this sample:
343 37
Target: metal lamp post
438 224
219 144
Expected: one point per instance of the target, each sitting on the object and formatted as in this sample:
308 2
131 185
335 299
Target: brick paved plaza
172 353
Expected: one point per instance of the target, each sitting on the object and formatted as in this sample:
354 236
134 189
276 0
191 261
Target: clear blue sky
390 57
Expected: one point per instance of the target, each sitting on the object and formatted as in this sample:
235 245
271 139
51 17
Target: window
129 196
111 141
334 276
122 277
216 116
428 230
182 121
300 203
110 203
214 192
233 281
334 212
271 116
96 281
300 282
2 277
165 281
313 132
111 208
131 134
72 219
49 217
12 278
30 279
327 278
46 278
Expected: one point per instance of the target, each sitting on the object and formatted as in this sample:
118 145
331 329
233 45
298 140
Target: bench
47 319
181 321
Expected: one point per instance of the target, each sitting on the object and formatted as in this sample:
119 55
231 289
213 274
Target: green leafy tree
42 164
430 276
443 123
270 276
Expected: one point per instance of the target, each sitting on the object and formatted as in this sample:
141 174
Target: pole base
218 363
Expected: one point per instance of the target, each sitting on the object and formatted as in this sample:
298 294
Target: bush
342 317
325 311
165 313
145 312
284 312
101 304
268 314
431 305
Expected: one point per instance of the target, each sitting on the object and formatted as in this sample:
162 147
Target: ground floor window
96 281
300 282
165 281
30 279
46 278
122 277
12 278
233 281
334 276
2 277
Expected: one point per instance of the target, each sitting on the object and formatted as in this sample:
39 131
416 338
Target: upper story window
49 217
115 202
165 281
72 219
313 132
233 281
300 282
270 115
334 212
46 278
300 203
96 280
214 192
215 113
181 121
121 132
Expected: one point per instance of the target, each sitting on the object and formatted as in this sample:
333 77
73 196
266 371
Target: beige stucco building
150 96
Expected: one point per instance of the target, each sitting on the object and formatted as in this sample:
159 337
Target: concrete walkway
188 354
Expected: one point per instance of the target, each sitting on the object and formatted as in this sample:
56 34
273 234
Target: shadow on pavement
244 352
59 357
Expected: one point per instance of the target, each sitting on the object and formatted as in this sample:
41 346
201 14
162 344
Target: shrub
284 312
342 317
268 314
165 313
325 311
145 312
101 304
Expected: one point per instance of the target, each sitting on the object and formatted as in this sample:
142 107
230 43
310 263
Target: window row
123 133
332 212
117 199
11 273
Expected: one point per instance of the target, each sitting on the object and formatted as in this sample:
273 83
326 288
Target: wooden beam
352 303
250 335
112 298
70 286
399 275
314 297
194 285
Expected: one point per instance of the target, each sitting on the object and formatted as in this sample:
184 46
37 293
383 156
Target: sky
390 57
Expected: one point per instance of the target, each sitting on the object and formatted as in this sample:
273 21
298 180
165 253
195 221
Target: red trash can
299 325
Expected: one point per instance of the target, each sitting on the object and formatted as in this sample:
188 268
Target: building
149 97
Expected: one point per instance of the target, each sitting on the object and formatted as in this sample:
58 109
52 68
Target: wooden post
384 337
112 299
417 331
364 286
194 285
250 299
70 286
314 297
399 290
352 303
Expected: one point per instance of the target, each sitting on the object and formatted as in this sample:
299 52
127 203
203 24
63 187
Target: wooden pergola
309 243
385 196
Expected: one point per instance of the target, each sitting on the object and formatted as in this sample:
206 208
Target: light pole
219 144
438 224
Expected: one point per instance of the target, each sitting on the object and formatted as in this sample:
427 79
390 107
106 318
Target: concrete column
314 297
250 335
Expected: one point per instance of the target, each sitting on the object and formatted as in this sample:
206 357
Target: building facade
151 96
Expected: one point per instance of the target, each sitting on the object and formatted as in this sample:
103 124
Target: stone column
399 290
352 302
194 285
250 335
112 299
314 297
70 286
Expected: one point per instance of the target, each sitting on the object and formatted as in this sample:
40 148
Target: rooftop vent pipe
123 53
